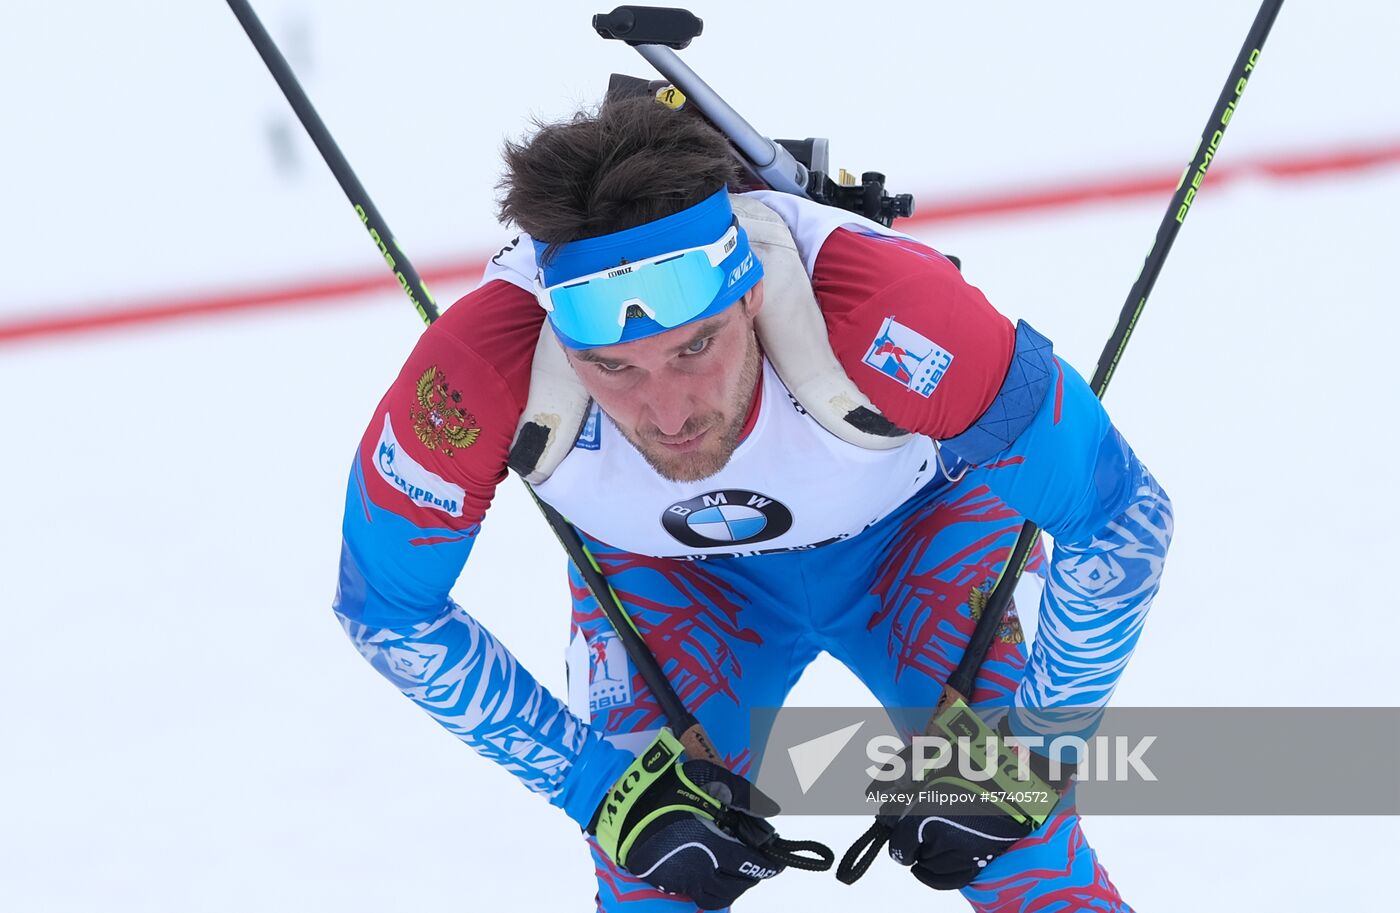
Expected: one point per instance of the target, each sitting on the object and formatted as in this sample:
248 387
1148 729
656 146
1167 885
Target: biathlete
781 429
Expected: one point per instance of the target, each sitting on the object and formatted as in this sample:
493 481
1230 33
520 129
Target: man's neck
752 418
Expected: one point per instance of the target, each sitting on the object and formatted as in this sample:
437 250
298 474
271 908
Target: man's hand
688 827
966 812
944 842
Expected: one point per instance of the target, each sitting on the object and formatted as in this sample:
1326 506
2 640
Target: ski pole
961 683
408 277
688 729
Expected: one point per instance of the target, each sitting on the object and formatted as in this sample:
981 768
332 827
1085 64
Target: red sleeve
925 346
439 440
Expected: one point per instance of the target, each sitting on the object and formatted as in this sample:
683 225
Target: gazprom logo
422 486
739 271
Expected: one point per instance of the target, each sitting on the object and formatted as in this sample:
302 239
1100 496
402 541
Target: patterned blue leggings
891 604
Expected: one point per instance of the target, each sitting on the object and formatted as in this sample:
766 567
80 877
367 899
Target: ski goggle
633 300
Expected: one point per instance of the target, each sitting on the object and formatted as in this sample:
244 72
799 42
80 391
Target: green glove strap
1028 800
653 785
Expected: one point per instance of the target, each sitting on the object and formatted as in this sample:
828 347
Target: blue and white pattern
466 680
727 522
1091 614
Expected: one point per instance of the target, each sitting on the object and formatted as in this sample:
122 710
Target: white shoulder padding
794 338
554 412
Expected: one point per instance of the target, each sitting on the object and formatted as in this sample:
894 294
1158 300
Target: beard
724 430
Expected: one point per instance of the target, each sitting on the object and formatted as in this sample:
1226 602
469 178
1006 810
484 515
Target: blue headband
697 226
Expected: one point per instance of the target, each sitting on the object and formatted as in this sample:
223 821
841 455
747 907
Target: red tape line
321 291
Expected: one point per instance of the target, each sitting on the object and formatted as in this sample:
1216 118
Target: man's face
681 397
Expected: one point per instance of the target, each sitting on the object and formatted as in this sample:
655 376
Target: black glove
955 824
945 844
958 824
688 827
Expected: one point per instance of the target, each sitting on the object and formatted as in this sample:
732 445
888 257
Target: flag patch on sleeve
912 359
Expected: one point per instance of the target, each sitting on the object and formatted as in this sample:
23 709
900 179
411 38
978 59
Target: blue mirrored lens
670 292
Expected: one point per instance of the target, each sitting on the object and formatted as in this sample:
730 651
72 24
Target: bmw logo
726 517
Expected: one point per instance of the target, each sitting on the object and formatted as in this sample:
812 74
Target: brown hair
631 161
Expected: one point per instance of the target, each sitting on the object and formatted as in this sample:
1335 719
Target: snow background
183 725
